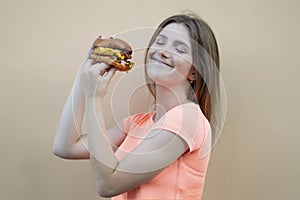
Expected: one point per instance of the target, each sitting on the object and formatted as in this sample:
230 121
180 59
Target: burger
112 51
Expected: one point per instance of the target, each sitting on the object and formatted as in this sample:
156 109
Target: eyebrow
176 41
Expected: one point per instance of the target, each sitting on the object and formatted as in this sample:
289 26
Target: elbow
106 191
105 194
58 149
60 152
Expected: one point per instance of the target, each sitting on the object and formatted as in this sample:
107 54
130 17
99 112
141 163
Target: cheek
148 55
151 51
183 66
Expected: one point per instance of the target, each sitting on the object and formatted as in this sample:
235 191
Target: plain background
44 42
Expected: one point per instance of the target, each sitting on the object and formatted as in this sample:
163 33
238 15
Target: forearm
103 159
70 125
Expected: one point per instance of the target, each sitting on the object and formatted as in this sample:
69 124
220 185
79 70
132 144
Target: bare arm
69 142
114 177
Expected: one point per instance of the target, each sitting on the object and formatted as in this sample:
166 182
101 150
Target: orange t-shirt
184 178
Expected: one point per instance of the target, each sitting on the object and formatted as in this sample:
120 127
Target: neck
168 98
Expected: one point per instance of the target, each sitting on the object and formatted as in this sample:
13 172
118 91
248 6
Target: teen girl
163 154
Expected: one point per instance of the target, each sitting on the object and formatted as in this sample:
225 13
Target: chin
155 72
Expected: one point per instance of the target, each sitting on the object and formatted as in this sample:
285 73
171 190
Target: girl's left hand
95 78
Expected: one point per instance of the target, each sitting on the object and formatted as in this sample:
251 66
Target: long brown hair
205 90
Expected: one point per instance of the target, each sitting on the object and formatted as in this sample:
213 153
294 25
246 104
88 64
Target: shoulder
188 121
188 114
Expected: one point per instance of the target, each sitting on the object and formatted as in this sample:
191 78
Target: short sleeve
188 122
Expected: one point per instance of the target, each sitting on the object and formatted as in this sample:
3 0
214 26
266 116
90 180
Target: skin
168 64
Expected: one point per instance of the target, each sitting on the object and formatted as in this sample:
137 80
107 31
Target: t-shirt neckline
153 113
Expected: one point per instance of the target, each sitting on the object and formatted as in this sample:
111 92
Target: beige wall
43 43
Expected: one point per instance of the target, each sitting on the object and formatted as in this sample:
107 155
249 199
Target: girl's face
170 56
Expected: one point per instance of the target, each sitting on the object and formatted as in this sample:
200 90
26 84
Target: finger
99 68
110 73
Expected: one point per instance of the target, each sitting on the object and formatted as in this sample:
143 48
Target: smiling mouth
162 62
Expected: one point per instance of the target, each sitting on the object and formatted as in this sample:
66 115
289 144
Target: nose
164 53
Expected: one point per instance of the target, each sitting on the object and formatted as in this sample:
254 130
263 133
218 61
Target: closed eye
160 41
181 49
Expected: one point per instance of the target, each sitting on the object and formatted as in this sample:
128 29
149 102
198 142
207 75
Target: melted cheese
109 51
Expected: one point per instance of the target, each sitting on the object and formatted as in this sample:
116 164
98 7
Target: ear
192 74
